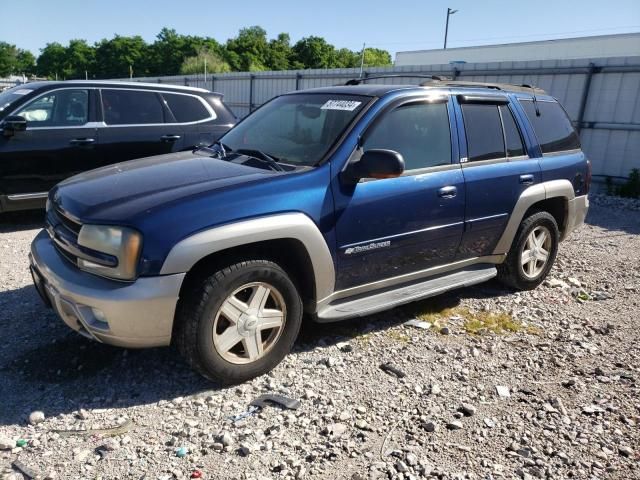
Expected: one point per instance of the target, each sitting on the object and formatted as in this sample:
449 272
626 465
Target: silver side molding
533 194
186 253
27 196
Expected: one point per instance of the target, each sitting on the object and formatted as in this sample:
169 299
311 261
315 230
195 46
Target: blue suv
328 203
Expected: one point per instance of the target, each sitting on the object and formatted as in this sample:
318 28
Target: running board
387 299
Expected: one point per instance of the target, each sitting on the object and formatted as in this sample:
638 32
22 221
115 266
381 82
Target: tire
528 276
222 323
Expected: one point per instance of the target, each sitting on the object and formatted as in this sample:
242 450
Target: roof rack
490 85
358 81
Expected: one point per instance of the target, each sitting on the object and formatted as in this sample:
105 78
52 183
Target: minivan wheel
532 253
240 322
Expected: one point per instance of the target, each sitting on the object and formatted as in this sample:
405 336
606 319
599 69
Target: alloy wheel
249 323
535 252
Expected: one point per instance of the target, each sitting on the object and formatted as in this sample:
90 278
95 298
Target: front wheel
532 253
239 322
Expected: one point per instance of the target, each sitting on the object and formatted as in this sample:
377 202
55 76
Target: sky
392 25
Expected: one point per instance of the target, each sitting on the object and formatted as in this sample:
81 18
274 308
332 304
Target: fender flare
531 196
186 253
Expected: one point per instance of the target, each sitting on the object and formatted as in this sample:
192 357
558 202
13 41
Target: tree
52 61
195 64
375 57
80 59
279 53
345 58
314 52
15 61
114 57
249 50
25 62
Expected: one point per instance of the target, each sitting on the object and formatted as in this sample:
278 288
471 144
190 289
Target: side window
62 108
552 127
484 131
186 108
515 147
418 131
131 107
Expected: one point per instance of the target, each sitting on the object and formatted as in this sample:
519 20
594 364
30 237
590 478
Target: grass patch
496 322
474 322
398 336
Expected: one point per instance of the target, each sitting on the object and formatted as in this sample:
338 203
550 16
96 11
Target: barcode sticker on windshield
22 91
348 105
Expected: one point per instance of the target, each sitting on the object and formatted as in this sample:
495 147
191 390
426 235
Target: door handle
526 179
448 192
82 141
170 138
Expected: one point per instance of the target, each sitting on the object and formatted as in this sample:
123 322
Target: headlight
122 243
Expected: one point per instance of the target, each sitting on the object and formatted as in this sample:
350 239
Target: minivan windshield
296 129
12 94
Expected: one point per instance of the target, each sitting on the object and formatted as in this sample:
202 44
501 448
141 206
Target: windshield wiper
217 149
260 155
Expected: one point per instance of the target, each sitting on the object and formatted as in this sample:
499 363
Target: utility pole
130 72
205 70
364 45
446 28
86 75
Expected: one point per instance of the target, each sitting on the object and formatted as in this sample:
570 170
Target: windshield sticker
348 105
22 91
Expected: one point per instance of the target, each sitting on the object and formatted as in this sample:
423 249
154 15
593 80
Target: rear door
136 124
496 168
197 119
60 141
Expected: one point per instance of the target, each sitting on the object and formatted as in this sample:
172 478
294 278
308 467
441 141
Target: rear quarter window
552 127
187 108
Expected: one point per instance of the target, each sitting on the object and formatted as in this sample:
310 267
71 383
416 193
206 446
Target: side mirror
12 124
376 163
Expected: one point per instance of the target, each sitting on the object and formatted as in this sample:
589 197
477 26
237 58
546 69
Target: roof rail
489 85
358 81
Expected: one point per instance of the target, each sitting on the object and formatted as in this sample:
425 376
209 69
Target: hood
118 192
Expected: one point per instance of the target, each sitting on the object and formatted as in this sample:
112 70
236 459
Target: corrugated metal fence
602 96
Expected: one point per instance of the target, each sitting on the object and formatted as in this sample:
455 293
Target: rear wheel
532 252
239 322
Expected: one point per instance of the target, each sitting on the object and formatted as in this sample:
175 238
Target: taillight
587 183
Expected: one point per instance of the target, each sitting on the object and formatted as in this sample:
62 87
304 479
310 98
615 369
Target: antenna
535 100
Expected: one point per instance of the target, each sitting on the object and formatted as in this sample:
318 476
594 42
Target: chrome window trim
57 127
212 113
561 152
27 196
102 124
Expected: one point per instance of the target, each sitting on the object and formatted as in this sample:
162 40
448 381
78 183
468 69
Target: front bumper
578 208
136 315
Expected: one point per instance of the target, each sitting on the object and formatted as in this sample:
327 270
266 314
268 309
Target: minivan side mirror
12 124
376 163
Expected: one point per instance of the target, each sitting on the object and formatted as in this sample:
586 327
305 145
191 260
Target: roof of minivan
378 90
114 83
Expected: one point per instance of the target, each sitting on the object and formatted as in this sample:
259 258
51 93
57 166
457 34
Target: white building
602 46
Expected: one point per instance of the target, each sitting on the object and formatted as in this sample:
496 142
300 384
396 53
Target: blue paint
171 197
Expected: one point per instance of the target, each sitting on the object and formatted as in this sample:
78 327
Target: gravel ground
554 395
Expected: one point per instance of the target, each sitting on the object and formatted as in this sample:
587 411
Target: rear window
483 127
186 108
131 107
552 127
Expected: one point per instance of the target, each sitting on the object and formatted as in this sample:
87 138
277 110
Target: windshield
296 129
9 96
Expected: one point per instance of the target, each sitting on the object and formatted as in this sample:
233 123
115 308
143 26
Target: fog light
98 315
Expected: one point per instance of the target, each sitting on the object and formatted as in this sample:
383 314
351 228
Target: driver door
59 142
389 228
